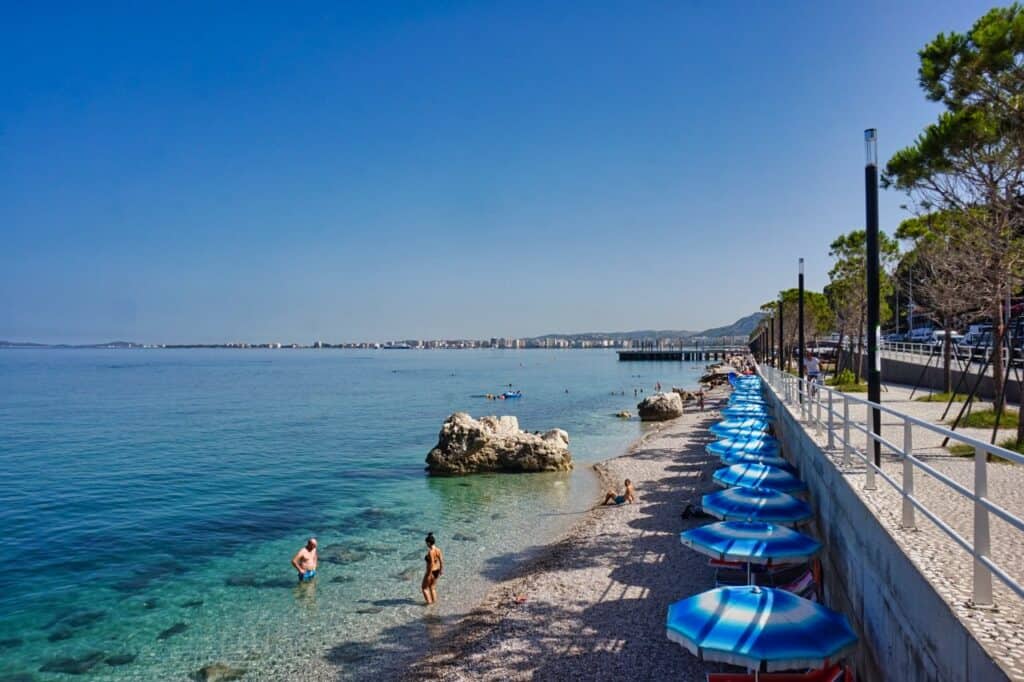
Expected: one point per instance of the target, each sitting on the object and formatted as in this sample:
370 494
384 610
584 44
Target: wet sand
592 606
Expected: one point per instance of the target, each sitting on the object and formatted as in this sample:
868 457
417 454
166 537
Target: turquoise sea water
150 501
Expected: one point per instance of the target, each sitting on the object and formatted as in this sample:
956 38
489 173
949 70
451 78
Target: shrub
843 378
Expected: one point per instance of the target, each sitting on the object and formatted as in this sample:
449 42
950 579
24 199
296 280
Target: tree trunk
947 358
839 351
859 364
998 331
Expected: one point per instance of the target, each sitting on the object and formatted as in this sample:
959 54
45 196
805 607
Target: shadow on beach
590 606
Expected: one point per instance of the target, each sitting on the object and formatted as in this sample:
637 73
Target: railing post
817 404
908 475
831 421
846 431
805 408
869 471
981 595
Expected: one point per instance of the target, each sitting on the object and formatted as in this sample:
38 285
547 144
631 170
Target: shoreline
591 603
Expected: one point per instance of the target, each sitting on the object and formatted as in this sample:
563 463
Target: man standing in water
304 561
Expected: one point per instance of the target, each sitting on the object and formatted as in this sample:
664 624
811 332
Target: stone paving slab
940 559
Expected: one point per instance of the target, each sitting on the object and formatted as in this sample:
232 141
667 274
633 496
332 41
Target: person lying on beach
435 567
304 561
628 497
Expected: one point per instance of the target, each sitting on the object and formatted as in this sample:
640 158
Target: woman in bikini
435 567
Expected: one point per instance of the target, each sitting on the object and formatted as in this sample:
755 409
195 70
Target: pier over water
702 354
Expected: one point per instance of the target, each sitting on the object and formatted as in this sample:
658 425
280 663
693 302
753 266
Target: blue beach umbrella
747 411
753 542
748 405
740 434
760 443
735 399
768 459
754 475
755 504
759 628
730 426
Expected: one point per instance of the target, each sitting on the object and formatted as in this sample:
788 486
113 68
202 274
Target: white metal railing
920 352
835 412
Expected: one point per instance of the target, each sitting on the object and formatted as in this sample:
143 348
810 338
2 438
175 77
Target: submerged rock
342 579
466 445
218 672
151 604
175 629
73 666
407 575
60 634
660 407
18 677
341 554
247 580
369 610
119 659
462 537
10 643
192 603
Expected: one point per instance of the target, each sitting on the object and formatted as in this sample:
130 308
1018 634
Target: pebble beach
592 605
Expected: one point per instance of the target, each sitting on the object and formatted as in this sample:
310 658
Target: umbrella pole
750 580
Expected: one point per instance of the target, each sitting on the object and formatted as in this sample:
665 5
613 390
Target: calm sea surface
150 501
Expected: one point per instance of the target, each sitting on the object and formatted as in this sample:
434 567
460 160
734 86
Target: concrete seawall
907 629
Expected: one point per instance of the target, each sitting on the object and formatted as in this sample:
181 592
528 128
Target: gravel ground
592 607
947 566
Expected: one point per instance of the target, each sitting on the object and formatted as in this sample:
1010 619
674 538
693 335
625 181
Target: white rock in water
660 406
466 445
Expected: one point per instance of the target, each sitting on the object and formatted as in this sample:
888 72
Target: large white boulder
660 406
466 445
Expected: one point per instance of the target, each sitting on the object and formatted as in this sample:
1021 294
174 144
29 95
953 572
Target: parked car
939 338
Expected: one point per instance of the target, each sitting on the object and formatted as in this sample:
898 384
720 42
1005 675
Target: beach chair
830 673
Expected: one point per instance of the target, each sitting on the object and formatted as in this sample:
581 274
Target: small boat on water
513 394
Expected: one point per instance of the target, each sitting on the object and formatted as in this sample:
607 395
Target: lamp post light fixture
873 331
782 340
800 318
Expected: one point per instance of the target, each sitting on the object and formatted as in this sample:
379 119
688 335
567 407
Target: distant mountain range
740 328
110 344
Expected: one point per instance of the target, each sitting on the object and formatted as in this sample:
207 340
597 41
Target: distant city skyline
199 173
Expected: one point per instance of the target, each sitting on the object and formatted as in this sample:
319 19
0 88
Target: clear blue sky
249 171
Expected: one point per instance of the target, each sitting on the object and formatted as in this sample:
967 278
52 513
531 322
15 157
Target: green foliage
941 398
986 419
1012 444
846 382
844 377
964 450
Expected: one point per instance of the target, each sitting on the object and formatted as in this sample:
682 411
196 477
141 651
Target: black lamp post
800 318
782 340
873 330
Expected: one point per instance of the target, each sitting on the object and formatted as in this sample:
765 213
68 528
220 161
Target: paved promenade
947 566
